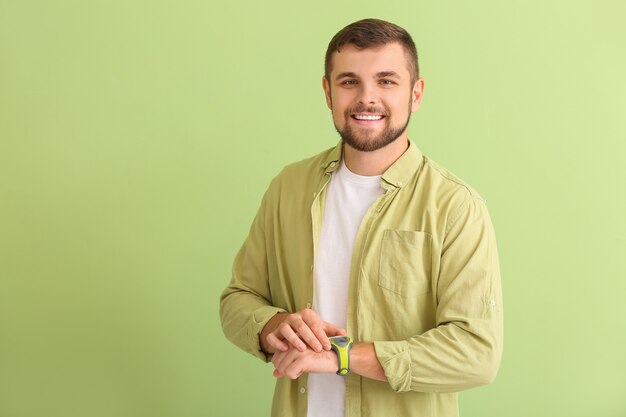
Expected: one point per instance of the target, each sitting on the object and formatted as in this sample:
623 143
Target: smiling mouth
367 117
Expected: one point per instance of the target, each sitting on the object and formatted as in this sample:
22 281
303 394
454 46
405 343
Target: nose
367 95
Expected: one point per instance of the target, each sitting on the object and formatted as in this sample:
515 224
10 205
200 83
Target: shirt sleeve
465 348
245 304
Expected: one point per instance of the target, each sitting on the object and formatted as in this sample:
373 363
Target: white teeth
368 117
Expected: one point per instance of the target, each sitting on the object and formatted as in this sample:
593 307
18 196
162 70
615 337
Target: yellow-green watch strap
342 345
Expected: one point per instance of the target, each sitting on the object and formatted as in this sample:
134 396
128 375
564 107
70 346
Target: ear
326 87
417 93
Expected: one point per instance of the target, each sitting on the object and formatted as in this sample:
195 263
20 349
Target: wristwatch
342 345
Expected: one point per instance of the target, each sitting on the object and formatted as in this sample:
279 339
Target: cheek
339 118
400 107
342 101
398 101
339 109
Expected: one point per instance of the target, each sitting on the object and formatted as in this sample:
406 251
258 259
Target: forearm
363 361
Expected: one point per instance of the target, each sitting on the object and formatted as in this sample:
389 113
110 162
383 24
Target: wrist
330 360
341 346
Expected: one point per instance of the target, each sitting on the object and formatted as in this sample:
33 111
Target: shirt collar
405 167
397 175
331 162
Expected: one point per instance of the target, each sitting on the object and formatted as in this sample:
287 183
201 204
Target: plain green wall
137 137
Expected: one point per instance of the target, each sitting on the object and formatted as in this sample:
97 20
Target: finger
306 332
276 343
316 325
294 375
277 373
294 370
287 332
320 334
321 329
284 360
277 359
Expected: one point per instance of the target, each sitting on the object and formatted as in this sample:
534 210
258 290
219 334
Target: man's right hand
301 329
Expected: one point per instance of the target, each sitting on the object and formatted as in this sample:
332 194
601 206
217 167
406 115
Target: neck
375 162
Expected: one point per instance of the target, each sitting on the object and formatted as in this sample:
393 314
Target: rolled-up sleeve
465 348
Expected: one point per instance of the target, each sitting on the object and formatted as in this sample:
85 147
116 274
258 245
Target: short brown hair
368 33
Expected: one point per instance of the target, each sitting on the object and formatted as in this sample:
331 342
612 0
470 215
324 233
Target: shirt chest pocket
405 262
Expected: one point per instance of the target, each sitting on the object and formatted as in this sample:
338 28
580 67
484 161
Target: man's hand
293 362
298 329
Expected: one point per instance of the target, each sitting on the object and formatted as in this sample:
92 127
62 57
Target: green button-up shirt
424 284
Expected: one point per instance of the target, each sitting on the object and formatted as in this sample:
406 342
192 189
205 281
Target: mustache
367 109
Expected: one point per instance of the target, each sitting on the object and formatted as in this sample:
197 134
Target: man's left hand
293 363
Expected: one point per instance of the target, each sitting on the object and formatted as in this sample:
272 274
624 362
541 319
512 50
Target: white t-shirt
348 198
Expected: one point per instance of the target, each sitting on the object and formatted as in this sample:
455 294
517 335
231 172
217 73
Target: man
375 241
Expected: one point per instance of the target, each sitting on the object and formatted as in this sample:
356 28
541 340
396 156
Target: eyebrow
381 74
388 74
345 75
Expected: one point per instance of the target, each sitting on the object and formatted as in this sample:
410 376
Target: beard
369 141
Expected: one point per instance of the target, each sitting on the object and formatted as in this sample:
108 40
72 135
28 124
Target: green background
137 137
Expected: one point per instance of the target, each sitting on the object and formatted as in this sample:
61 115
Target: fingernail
318 347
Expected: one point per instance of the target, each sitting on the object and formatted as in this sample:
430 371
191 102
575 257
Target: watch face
340 340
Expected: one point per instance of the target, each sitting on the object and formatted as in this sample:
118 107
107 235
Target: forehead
369 61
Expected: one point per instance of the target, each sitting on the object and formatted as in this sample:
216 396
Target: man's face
371 95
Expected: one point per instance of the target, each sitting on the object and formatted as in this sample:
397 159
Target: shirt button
332 164
302 390
400 183
311 267
308 305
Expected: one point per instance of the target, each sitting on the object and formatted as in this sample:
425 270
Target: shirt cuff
259 319
395 359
